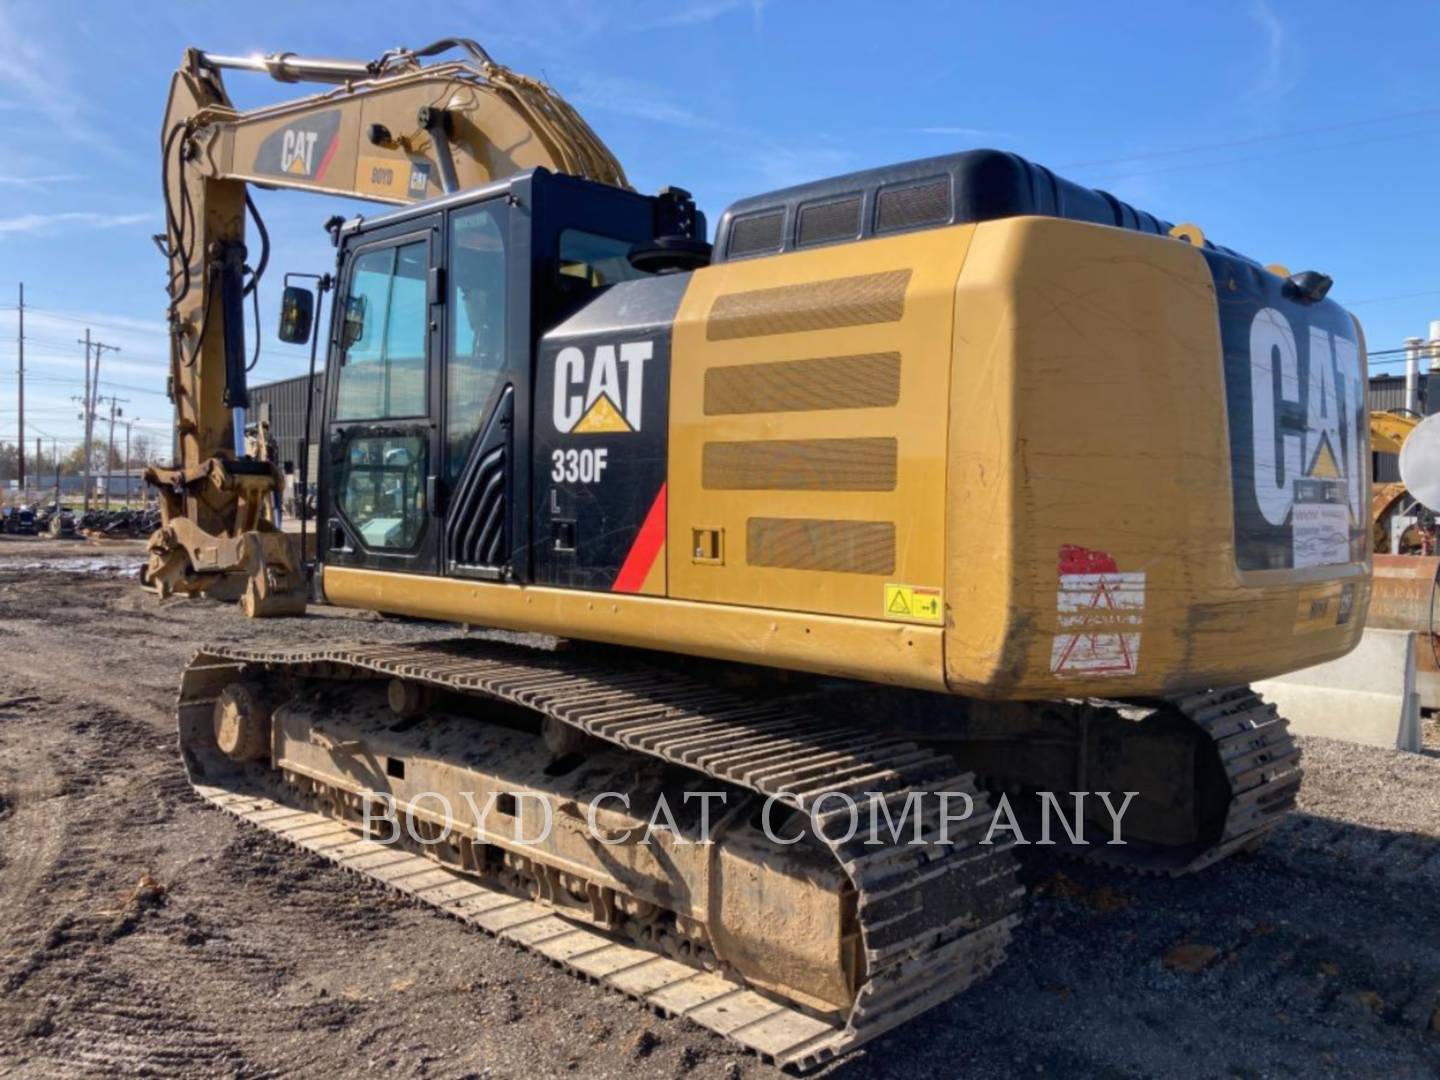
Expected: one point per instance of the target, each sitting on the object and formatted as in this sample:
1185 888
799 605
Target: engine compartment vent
823 223
912 206
757 234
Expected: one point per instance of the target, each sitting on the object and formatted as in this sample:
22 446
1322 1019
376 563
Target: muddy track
1319 953
34 822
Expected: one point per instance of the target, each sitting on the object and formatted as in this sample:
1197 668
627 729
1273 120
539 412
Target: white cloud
1278 72
28 70
780 166
30 223
37 181
124 324
35 79
704 11
55 336
962 132
642 101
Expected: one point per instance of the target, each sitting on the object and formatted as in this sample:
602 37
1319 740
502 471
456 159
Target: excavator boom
392 130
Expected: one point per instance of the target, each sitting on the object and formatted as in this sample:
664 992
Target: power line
104 382
46 411
65 346
278 349
45 341
1127 173
1397 296
1253 140
102 323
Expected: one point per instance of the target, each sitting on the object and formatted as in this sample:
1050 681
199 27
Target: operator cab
427 439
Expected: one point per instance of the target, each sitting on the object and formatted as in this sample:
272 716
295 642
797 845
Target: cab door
485 389
383 445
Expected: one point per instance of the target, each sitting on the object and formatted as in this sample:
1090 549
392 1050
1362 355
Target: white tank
1420 463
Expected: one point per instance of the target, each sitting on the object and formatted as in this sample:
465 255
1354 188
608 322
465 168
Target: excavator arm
393 130
1389 430
1394 508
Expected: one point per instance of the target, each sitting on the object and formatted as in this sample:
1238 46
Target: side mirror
297 312
354 328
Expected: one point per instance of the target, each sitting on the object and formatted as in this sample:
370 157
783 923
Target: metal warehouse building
1388 392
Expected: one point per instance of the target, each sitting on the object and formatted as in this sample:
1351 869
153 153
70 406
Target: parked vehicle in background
20 521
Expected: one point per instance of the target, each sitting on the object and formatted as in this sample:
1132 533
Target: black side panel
602 388
477 528
1299 429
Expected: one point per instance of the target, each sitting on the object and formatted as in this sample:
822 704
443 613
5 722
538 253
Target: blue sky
1302 134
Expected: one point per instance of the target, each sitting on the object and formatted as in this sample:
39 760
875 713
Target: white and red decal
1099 612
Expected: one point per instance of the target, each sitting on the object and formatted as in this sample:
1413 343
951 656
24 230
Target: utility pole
85 419
92 394
55 453
110 447
128 424
20 342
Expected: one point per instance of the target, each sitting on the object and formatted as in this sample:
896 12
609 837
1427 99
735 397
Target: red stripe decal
329 154
1080 560
648 542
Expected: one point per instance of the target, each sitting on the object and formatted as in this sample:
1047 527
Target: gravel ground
142 933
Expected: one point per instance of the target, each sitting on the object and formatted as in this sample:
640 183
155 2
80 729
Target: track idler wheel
407 699
242 723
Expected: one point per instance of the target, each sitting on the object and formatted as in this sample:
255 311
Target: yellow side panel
1088 431
808 429
896 653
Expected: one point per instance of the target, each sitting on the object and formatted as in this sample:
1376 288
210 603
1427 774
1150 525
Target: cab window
591 259
382 372
381 490
476 330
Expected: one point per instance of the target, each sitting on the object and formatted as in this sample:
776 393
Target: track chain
1261 762
933 918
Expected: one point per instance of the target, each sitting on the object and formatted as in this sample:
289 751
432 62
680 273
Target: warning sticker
912 602
1320 522
1099 613
1324 607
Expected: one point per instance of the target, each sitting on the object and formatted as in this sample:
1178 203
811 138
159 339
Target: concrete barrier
1367 696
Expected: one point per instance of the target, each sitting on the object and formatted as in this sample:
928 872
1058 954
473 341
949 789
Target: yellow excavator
1403 524
928 494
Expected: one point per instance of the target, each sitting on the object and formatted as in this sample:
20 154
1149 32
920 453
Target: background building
283 405
1387 392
